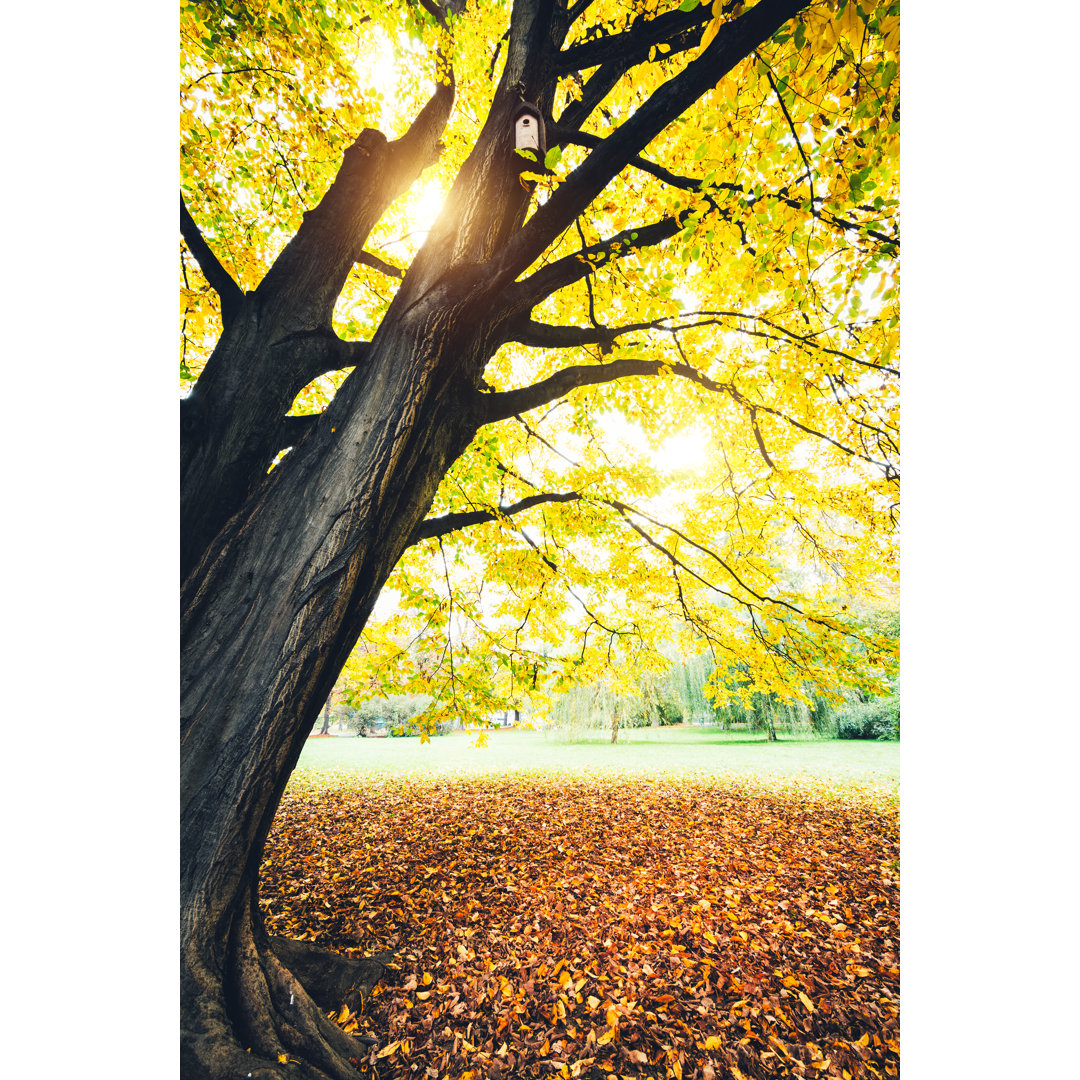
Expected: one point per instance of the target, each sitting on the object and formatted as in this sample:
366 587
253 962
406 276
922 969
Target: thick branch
376 263
528 293
600 84
448 523
307 354
308 276
230 294
542 336
680 29
507 403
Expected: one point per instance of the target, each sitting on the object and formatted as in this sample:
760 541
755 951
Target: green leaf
553 157
689 5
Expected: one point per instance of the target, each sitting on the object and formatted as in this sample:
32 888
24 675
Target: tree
350 416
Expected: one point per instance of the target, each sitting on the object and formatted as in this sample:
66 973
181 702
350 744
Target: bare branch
600 84
230 294
791 128
308 354
376 263
542 336
448 523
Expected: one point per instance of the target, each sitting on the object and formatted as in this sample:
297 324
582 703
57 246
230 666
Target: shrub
398 712
878 719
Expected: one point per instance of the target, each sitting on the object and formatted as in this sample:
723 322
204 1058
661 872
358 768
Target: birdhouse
529 130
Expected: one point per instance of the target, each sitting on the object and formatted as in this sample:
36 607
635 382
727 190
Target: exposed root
264 1017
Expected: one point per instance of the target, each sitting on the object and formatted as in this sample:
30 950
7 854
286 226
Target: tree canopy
692 432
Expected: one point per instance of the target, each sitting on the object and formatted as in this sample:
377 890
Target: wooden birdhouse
529 130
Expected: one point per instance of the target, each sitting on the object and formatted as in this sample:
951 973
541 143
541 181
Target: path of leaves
554 927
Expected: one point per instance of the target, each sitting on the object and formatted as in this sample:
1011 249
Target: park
539 514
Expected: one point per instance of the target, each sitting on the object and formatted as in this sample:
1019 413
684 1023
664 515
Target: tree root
330 978
266 1018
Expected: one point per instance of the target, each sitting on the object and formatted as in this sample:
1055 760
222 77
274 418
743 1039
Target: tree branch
543 336
311 353
600 84
507 403
448 523
229 293
734 42
791 128
578 9
559 134
805 340
376 263
294 428
309 274
527 293
680 29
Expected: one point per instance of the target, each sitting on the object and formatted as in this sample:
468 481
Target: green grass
688 751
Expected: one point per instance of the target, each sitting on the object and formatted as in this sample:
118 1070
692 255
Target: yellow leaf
283 1059
711 31
386 1051
604 1039
806 1001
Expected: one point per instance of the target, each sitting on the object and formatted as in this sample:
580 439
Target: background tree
713 234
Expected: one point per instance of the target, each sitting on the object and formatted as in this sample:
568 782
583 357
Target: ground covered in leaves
551 926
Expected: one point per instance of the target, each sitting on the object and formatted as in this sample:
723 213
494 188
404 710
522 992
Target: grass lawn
687 751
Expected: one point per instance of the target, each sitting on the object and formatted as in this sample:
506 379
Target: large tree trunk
266 628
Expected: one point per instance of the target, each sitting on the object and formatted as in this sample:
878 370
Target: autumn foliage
545 925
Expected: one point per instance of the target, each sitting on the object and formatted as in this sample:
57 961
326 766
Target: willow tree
709 243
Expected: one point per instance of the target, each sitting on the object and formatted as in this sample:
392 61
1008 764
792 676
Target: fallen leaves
548 926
